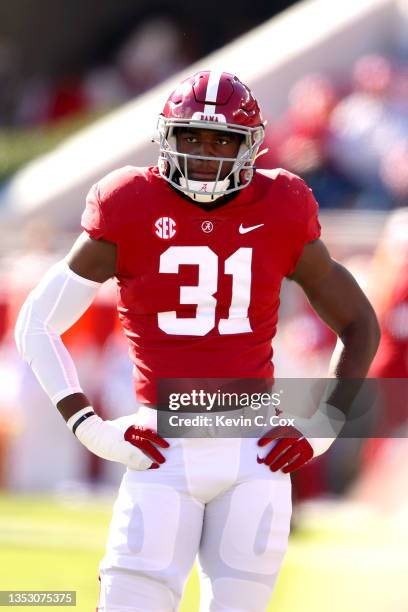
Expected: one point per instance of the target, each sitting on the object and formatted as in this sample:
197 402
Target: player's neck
208 206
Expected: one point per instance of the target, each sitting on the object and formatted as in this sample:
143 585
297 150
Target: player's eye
190 138
223 141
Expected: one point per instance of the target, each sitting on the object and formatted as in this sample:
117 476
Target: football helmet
216 101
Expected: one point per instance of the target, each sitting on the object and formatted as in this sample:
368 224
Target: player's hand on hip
118 440
288 448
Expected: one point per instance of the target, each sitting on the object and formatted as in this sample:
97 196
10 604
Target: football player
199 246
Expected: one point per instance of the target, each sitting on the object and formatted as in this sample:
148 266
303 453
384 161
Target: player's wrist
94 433
76 420
106 440
322 429
332 419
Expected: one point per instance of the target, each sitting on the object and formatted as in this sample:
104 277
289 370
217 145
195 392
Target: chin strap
202 191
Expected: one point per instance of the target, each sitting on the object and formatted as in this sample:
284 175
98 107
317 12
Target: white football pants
212 499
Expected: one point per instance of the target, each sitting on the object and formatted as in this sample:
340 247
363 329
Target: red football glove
297 445
289 453
145 439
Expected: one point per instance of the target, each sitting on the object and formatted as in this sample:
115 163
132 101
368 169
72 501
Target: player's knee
238 595
129 591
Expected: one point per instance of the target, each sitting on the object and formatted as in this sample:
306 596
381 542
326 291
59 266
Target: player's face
208 143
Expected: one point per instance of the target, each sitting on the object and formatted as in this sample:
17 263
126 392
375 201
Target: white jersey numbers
239 266
202 294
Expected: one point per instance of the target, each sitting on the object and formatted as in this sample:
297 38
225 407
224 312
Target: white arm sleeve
54 305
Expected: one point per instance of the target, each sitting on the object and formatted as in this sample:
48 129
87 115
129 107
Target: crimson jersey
198 290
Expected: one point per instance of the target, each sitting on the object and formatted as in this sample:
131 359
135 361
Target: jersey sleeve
309 228
106 204
93 218
313 228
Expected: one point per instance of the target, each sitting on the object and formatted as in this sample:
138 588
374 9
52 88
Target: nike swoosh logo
245 230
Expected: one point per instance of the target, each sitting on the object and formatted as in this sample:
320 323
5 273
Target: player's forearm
358 346
71 404
52 307
351 359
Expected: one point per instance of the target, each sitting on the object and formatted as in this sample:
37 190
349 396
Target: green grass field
341 566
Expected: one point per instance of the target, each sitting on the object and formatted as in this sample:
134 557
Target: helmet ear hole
164 166
245 176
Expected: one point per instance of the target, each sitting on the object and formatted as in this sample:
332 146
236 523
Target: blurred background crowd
347 137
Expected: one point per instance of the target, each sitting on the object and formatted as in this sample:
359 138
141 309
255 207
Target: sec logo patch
165 228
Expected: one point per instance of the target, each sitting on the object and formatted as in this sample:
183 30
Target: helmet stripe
214 79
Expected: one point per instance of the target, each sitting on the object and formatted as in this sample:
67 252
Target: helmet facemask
173 166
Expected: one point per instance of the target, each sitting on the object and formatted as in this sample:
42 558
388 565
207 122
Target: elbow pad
54 305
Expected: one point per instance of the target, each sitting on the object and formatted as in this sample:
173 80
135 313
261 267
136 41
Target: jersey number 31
202 294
